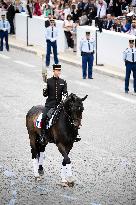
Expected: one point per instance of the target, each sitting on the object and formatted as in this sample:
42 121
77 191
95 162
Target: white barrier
36 31
110 44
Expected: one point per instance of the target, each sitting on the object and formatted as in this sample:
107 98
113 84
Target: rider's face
57 73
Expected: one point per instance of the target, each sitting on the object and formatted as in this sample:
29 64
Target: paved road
103 163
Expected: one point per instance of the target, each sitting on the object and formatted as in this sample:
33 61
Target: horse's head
74 107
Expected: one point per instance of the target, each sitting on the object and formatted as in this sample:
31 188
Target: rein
69 117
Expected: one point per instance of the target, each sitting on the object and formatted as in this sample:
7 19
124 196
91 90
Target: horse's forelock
73 101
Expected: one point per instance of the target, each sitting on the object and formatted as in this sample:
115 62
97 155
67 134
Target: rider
56 89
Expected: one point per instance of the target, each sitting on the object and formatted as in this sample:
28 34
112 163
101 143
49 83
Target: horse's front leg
66 165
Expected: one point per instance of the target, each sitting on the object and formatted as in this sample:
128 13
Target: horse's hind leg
34 152
41 156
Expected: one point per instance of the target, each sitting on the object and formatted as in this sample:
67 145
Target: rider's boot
43 136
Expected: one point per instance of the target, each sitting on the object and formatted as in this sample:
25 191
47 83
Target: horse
62 132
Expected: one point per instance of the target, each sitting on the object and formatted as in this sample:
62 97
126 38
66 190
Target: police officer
4 30
129 56
87 48
56 89
51 35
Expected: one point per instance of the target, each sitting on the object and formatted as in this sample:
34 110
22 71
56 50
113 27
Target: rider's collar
56 78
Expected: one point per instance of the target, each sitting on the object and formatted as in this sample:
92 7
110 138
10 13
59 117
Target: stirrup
42 140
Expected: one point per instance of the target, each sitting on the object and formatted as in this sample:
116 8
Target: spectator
62 5
132 30
66 11
116 25
37 9
86 7
74 33
101 9
124 5
110 9
117 8
108 22
125 25
74 13
29 7
10 17
47 10
83 19
80 7
4 4
68 27
92 12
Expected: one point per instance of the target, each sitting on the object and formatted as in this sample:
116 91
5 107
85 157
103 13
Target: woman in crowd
74 33
37 9
47 10
68 27
67 11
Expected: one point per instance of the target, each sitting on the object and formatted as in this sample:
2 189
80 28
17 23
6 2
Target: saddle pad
37 122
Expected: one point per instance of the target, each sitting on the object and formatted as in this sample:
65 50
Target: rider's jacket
56 88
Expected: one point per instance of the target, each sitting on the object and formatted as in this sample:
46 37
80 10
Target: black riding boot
43 137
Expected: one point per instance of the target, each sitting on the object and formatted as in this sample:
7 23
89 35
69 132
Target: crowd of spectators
115 15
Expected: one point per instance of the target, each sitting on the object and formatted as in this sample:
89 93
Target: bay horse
63 133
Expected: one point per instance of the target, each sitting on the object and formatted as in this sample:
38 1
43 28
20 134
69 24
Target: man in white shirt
101 9
51 35
129 57
4 30
87 48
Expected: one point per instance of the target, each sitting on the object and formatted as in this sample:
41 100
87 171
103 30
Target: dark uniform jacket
56 87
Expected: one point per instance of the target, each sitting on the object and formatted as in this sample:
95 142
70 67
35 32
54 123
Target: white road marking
4 56
25 64
119 97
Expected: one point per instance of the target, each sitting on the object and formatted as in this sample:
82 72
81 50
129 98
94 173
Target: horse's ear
82 99
73 98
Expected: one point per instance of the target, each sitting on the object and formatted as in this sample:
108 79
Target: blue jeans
54 46
4 34
87 61
130 67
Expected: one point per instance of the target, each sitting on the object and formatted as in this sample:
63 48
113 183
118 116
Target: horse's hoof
64 184
70 179
71 184
41 172
38 178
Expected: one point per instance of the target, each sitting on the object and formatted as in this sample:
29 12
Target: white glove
64 97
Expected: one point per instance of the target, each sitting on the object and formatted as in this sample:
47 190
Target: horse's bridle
70 118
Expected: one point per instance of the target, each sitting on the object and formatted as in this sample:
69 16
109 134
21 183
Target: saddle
52 117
